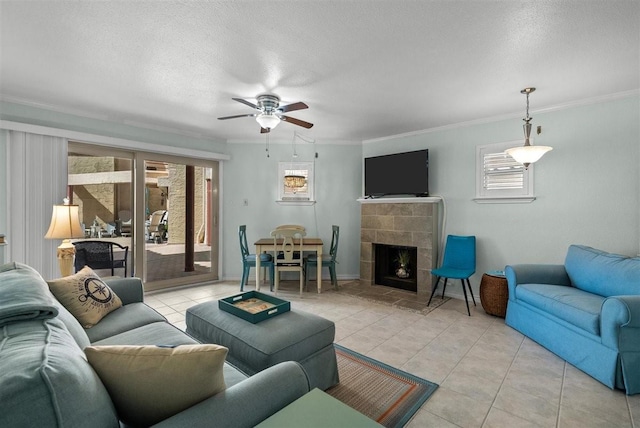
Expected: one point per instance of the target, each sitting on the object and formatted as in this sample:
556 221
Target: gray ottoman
292 336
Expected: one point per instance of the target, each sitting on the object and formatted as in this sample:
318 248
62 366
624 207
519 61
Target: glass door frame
139 211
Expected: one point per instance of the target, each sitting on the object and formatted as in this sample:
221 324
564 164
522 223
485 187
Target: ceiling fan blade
265 130
236 116
245 102
296 121
293 107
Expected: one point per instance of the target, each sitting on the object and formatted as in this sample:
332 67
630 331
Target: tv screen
397 174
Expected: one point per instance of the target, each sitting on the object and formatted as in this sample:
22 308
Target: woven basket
494 295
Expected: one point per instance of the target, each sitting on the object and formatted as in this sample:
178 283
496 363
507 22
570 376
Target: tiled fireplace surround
410 222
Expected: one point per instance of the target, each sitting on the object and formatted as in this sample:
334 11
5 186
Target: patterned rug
380 392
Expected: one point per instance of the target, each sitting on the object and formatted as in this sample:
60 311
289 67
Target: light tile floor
489 374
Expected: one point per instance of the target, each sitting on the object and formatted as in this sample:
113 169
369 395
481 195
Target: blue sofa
46 381
586 311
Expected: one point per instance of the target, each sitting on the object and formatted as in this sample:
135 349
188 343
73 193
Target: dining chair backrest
460 252
292 226
244 246
335 235
289 250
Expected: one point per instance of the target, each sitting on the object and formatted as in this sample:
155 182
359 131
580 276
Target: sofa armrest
129 290
247 403
535 274
620 323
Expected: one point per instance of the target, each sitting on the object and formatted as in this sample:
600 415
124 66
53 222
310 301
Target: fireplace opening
396 266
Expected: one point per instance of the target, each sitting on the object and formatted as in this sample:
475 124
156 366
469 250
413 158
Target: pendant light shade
527 154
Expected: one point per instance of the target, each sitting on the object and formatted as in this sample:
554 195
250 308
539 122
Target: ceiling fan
270 112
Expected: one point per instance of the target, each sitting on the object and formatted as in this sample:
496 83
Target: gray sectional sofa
45 379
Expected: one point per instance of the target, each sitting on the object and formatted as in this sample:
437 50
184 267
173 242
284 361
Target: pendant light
527 154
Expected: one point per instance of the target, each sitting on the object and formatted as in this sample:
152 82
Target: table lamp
65 224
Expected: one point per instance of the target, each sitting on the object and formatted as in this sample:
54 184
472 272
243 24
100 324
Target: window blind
502 172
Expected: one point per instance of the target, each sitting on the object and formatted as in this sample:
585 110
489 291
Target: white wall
587 188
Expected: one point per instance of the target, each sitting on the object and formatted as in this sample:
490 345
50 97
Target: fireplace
401 223
396 266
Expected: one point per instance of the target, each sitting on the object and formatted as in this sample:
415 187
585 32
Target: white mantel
421 200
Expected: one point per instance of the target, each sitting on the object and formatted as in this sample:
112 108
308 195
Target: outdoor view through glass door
161 212
100 185
179 232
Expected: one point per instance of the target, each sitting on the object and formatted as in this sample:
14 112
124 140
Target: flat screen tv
397 174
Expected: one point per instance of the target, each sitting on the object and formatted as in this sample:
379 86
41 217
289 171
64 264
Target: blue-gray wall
251 175
587 188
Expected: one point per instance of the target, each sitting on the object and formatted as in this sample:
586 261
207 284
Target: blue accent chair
459 262
249 260
328 261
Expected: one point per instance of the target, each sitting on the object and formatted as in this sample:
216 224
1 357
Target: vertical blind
37 179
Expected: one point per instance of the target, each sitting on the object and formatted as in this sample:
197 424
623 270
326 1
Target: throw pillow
85 295
151 383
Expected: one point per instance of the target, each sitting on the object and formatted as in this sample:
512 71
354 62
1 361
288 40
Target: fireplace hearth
396 266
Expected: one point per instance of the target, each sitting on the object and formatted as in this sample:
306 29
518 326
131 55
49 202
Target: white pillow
148 384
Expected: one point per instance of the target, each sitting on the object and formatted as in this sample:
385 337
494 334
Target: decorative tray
254 306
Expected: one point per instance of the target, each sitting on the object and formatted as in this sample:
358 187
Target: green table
318 409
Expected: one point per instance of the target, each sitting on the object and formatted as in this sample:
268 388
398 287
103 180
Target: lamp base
66 256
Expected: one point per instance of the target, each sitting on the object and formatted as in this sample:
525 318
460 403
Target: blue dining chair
459 262
249 260
327 260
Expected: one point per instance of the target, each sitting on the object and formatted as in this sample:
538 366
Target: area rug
382 393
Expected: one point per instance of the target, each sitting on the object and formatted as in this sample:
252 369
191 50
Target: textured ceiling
367 69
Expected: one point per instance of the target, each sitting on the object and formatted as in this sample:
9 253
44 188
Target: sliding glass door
163 208
179 226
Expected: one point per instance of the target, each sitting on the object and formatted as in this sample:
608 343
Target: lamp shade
65 223
527 154
268 120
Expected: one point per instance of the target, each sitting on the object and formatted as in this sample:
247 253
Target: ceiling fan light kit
267 120
271 112
527 154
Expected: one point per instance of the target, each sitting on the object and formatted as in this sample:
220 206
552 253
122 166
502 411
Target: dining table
264 245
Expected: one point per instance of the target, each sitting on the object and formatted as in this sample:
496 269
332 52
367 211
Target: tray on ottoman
254 306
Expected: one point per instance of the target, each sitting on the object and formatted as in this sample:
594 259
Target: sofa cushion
574 306
151 383
602 273
157 333
125 318
24 295
86 296
46 380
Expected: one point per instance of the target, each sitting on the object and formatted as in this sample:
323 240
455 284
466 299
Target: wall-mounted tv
397 174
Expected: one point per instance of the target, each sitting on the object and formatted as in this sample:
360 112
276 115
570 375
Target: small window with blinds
499 177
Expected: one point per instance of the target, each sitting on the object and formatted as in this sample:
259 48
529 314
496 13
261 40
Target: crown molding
564 106
114 118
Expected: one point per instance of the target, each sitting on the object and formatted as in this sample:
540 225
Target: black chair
100 255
